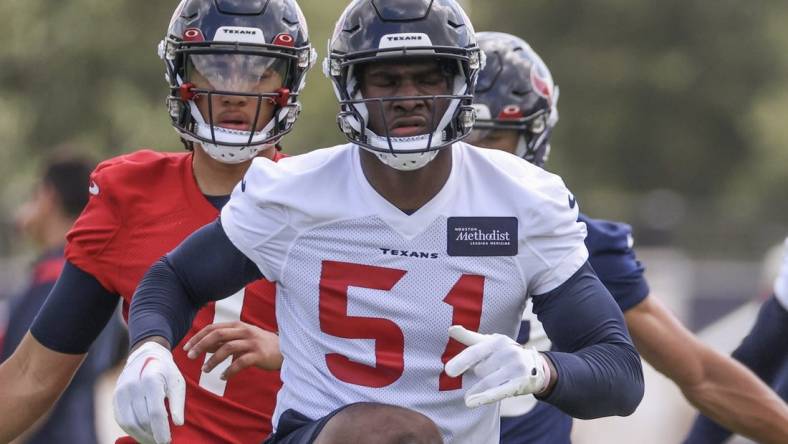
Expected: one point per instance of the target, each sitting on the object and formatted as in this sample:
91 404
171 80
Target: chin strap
522 146
406 162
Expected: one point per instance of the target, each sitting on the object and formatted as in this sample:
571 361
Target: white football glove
150 375
505 368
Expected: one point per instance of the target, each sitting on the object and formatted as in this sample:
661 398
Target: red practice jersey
143 205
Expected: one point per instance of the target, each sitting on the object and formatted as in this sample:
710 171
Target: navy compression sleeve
764 351
75 312
599 370
205 267
765 348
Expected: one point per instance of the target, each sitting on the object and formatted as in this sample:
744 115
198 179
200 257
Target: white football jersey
366 293
781 283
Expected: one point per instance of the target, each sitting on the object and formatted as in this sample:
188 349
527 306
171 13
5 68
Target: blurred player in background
516 102
764 350
391 254
45 219
235 70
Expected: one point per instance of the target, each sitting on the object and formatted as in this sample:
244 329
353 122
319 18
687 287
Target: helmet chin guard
406 162
232 146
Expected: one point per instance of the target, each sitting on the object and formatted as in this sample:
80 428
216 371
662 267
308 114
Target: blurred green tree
689 96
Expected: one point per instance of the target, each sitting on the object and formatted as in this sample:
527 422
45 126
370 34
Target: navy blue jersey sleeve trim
612 257
599 370
205 267
633 293
75 312
764 351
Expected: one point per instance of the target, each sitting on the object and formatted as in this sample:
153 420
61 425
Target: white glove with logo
506 368
150 376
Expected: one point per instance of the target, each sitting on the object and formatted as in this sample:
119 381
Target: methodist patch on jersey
482 236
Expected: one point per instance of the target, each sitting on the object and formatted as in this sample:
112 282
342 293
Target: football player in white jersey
403 261
516 100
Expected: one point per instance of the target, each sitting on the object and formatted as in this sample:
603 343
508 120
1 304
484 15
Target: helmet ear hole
193 35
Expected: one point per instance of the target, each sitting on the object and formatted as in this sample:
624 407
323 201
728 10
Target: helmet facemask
445 117
234 98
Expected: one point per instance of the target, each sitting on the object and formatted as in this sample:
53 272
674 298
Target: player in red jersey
235 71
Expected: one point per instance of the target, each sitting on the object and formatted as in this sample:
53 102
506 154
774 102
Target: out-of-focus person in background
235 72
764 350
44 219
516 102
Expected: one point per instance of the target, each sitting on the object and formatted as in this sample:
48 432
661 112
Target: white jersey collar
409 226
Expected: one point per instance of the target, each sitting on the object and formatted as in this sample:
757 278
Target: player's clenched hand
248 345
149 377
504 367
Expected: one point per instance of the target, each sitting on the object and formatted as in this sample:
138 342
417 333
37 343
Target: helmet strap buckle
186 92
282 98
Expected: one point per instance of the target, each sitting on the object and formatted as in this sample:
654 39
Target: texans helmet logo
542 83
